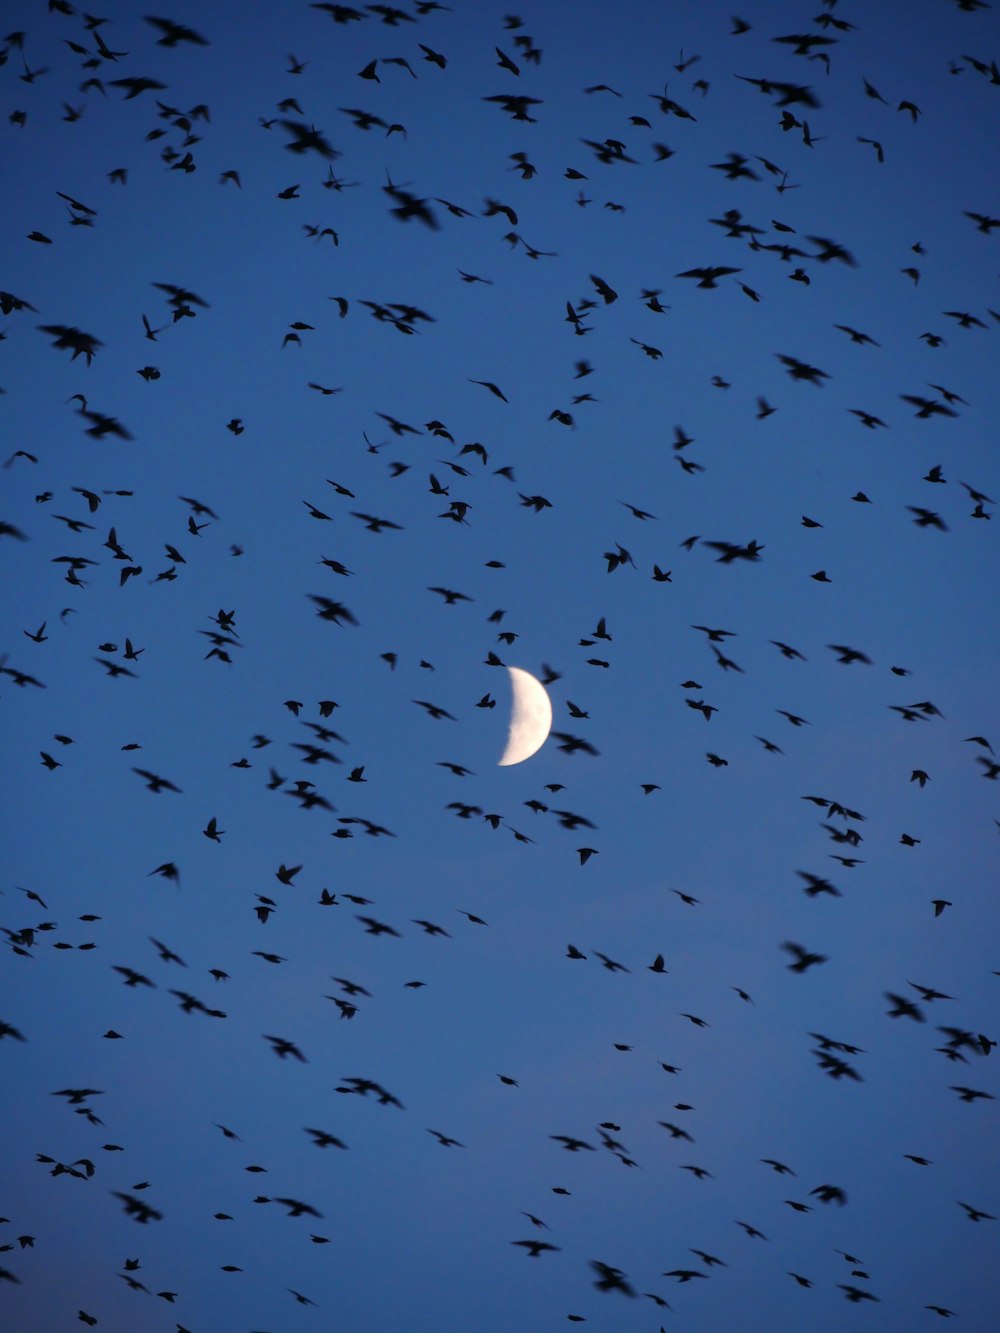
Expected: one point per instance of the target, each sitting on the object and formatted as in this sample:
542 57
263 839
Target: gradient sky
413 1233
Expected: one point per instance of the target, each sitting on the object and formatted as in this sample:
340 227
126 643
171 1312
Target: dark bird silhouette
173 34
975 1215
571 1144
830 1194
154 782
73 340
282 1047
610 1278
709 277
801 370
804 959
137 1208
971 1095
534 1248
856 1294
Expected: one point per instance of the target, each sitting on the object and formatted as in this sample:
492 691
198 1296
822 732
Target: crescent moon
530 717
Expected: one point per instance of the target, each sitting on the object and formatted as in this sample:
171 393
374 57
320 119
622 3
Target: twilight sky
349 355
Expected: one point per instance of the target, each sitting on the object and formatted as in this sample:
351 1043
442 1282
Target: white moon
530 717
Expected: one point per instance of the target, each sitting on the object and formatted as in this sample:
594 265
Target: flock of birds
229 581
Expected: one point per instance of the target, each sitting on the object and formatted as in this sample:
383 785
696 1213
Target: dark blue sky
725 443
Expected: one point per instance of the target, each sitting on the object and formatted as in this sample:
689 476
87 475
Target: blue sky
413 1233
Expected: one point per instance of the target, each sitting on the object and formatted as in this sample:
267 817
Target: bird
856 1294
534 1248
804 958
610 1278
971 1095
138 1209
154 782
830 1194
709 277
976 1214
571 1144
444 1140
282 1047
857 336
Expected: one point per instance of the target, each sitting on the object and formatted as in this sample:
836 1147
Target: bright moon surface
530 717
